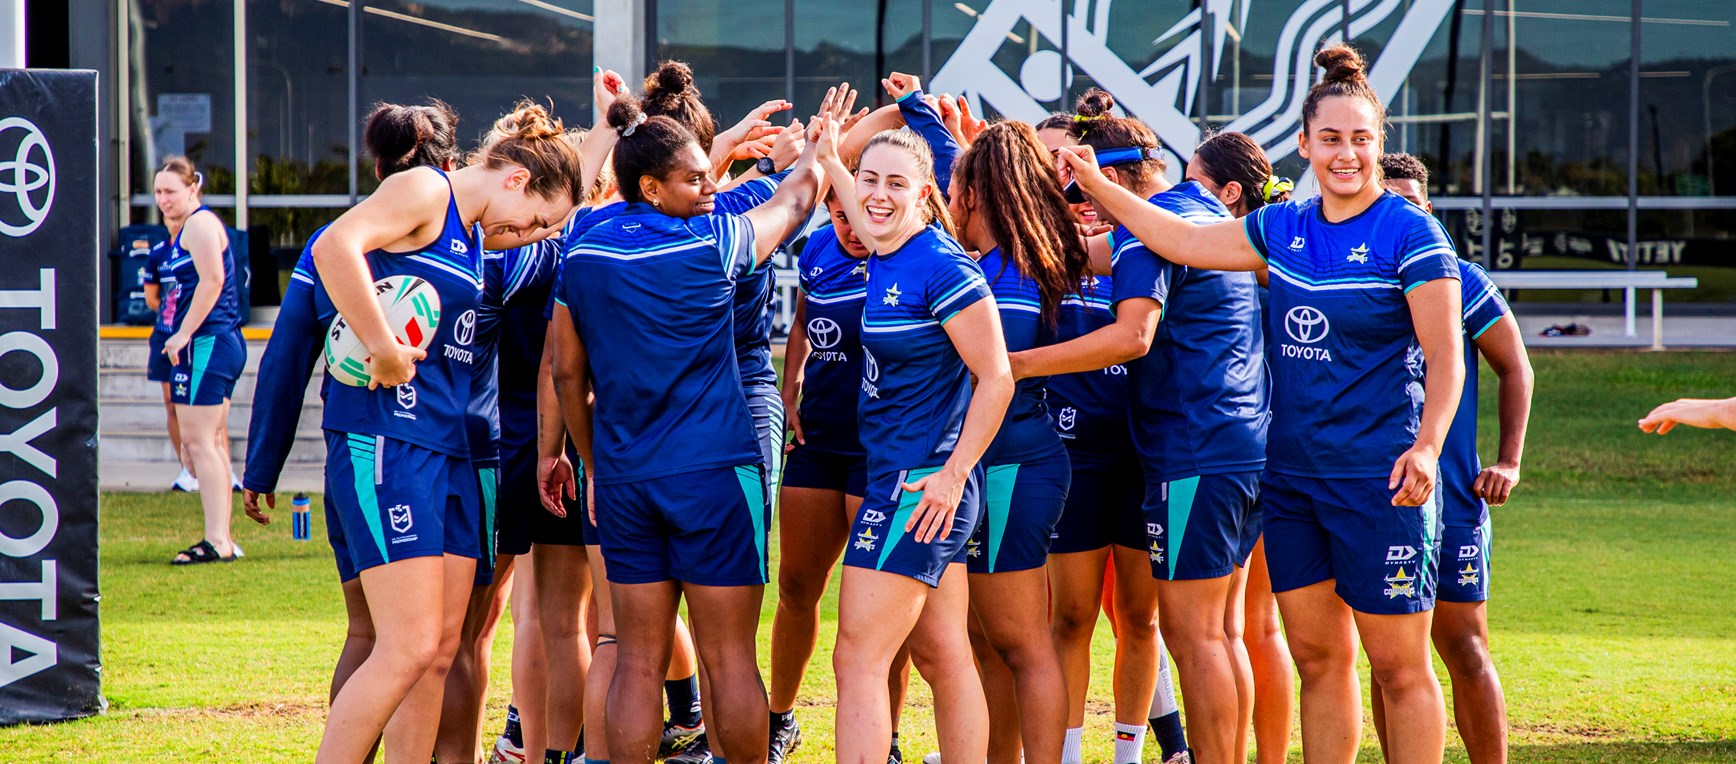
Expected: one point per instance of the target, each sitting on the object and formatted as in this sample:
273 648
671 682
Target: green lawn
1609 624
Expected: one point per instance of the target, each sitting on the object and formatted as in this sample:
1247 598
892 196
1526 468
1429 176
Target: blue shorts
1197 527
395 500
335 534
1251 530
1021 504
208 369
806 467
157 364
521 520
706 527
1346 530
1465 563
1104 506
487 472
767 407
878 540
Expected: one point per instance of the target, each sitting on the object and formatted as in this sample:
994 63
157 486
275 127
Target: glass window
480 56
1688 98
297 98
837 42
736 49
183 91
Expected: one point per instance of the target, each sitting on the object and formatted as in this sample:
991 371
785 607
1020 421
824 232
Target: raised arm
1221 246
1503 347
606 86
404 214
1436 319
789 208
976 334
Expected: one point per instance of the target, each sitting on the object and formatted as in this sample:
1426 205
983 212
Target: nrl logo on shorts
1163 92
400 518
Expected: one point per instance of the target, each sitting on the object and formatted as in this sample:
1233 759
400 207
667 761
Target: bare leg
1192 615
530 674
1322 637
1461 636
643 613
1136 635
1000 689
1076 588
199 433
941 652
175 429
1398 656
602 676
467 683
812 527
411 732
563 586
1269 657
1012 609
358 643
725 620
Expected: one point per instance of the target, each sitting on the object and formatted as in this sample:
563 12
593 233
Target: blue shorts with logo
1198 527
1105 505
878 540
767 407
394 500
1465 562
1346 530
521 520
157 364
707 527
1021 504
208 369
808 467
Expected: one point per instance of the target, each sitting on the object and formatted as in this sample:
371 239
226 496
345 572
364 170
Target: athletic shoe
505 752
234 483
896 757
786 738
678 739
933 758
185 482
1180 757
237 546
696 751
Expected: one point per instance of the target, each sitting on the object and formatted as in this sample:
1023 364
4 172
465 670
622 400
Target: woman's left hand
1413 475
941 493
173 346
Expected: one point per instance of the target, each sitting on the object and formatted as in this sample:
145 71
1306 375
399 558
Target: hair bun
1341 63
1096 102
529 121
673 79
623 112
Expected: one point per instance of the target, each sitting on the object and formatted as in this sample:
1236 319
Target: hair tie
637 121
1088 118
1275 186
198 179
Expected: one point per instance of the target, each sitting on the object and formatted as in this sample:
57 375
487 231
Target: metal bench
1627 281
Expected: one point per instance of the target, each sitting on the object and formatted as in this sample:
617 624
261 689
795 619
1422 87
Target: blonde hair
528 137
934 207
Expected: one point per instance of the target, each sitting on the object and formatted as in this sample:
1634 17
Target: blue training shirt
1483 307
915 387
1347 372
225 314
834 285
509 338
291 355
1199 399
755 294
651 297
1027 432
1090 408
429 411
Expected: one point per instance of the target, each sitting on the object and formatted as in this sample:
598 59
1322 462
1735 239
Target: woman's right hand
1079 163
606 86
941 493
554 477
793 418
394 365
899 85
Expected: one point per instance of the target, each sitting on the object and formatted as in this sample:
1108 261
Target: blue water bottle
301 519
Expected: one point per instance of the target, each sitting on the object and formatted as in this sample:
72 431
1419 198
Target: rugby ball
412 308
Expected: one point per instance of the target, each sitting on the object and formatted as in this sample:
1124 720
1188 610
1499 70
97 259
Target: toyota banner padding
50 644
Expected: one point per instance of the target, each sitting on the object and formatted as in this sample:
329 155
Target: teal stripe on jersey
753 488
364 464
201 360
1000 481
1181 501
907 501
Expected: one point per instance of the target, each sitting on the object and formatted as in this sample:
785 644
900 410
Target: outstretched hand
606 86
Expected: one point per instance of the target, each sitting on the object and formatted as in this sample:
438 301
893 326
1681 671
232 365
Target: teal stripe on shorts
1181 500
907 501
200 359
364 463
999 499
753 488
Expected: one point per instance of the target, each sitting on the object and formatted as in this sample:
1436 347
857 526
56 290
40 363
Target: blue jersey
1199 396
651 297
1090 408
429 411
915 387
1347 373
1027 433
281 385
833 287
509 338
1483 306
225 315
756 294
157 271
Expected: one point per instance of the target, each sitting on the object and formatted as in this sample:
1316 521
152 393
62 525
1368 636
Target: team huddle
1030 379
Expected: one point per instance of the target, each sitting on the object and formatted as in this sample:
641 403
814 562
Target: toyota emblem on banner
26 177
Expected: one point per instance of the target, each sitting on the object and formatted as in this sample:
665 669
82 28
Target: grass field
1610 622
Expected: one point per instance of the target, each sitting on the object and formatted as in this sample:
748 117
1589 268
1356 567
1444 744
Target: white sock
1163 701
1073 746
1129 743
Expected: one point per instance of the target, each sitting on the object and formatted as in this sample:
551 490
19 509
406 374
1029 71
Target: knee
1466 656
1139 630
799 592
1316 659
1074 621
1397 676
414 655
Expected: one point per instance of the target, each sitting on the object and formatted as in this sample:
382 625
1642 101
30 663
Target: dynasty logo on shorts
866 540
1402 583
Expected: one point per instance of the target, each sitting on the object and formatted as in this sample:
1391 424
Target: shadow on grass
1628 753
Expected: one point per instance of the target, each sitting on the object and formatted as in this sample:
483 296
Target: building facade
1560 133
